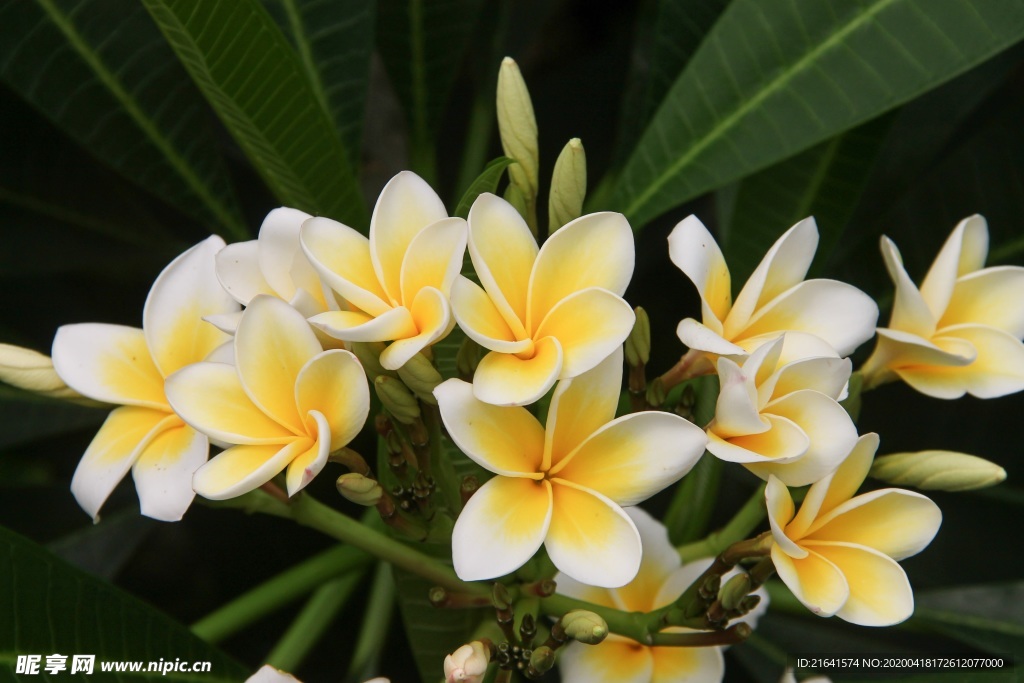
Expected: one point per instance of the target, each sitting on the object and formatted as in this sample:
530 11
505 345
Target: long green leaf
101 72
775 77
257 85
990 618
487 181
50 607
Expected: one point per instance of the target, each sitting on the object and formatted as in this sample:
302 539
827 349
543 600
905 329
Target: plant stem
639 626
366 657
277 592
313 620
691 507
738 528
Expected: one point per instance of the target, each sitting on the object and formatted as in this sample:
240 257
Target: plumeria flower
127 366
661 580
782 419
284 403
273 264
468 664
814 314
544 314
838 553
960 332
269 674
398 280
563 487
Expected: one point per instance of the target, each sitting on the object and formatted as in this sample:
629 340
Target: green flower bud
734 590
368 354
541 661
397 399
467 359
585 627
656 392
518 128
568 185
937 470
638 343
420 375
359 489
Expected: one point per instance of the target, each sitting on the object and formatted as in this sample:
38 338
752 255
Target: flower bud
359 489
518 128
420 375
541 661
585 627
32 371
734 590
468 663
568 185
397 399
937 470
467 359
368 354
638 343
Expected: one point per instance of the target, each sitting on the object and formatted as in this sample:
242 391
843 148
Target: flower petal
998 369
591 538
341 256
308 464
989 297
779 504
615 660
892 521
695 252
880 594
827 376
503 252
505 379
595 250
163 472
784 442
396 323
658 563
633 457
432 317
108 363
588 325
963 252
434 258
272 344
508 441
114 449
579 407
690 664
501 527
279 245
241 469
238 269
182 294
406 205
910 312
815 581
737 409
333 384
480 319
210 398
796 346
698 336
842 485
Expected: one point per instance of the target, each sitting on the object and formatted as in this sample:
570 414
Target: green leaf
774 77
988 617
53 608
825 182
487 181
257 85
101 72
27 417
103 549
334 41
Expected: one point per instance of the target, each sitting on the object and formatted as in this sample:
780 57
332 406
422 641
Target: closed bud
541 661
420 375
368 354
467 359
585 627
568 185
656 392
638 343
937 471
517 127
359 489
33 371
397 399
468 664
734 590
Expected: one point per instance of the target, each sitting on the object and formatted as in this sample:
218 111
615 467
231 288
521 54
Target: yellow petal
998 369
780 508
308 464
501 527
333 384
395 323
480 319
784 442
910 312
880 594
616 660
595 250
815 581
341 256
241 469
591 538
504 379
434 258
964 252
660 560
163 472
508 441
690 664
579 407
108 363
989 297
432 317
272 344
588 325
842 485
695 252
704 338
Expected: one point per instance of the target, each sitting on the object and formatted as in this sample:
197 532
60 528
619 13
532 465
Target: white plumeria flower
782 419
284 403
468 664
838 554
273 264
398 280
775 299
127 366
661 580
545 314
269 674
960 332
563 487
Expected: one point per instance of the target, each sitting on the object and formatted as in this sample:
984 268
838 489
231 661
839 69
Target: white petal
910 312
783 443
241 469
997 371
780 508
964 252
589 325
697 336
989 297
396 323
238 269
480 319
616 660
692 248
737 409
434 258
308 464
880 594
341 256
164 469
660 560
690 664
432 317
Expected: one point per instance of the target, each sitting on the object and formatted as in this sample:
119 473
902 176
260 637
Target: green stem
372 635
694 500
739 527
277 592
639 626
313 620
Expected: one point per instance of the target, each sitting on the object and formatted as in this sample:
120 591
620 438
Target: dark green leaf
990 618
27 416
257 85
774 77
101 72
102 549
53 608
487 181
